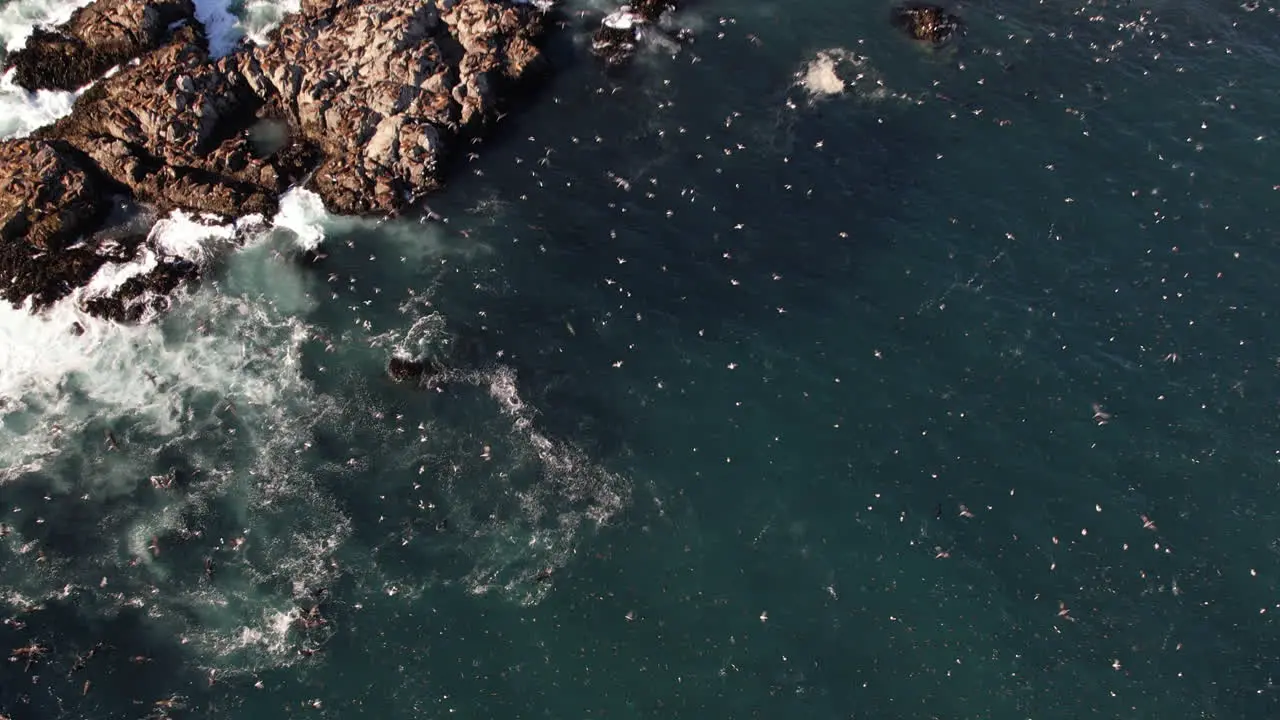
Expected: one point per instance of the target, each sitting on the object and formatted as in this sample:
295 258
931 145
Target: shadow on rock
95 39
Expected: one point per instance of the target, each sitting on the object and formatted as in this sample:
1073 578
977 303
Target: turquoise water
847 406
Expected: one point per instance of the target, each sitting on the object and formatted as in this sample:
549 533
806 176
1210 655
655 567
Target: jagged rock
48 197
96 38
367 99
384 88
616 40
927 23
172 129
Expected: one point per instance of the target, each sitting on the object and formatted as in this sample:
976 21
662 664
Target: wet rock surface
367 98
930 24
145 294
95 39
624 31
49 196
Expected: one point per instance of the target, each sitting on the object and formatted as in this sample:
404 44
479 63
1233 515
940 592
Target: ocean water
806 373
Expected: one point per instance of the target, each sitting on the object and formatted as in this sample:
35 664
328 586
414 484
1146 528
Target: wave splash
219 487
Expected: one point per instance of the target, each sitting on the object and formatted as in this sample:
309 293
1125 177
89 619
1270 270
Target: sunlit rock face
368 99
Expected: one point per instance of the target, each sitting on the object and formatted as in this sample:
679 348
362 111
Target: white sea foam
19 19
219 380
221 26
819 77
262 16
256 20
220 365
835 71
22 112
180 235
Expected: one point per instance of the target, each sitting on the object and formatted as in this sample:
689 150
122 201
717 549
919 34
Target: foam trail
523 511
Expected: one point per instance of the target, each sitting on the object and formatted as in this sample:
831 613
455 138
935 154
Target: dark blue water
837 406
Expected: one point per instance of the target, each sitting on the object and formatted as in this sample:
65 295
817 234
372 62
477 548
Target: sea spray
179 236
19 19
302 213
23 112
221 26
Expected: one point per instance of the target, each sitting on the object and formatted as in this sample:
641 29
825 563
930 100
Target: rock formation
96 38
623 31
49 196
927 23
362 100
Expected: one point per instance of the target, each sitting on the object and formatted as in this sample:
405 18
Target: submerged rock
95 39
927 23
365 101
405 369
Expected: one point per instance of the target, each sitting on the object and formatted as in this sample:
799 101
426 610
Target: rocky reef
95 39
930 24
360 100
624 31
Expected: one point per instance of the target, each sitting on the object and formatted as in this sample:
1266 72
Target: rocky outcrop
361 100
382 88
927 23
629 27
173 130
95 39
49 197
